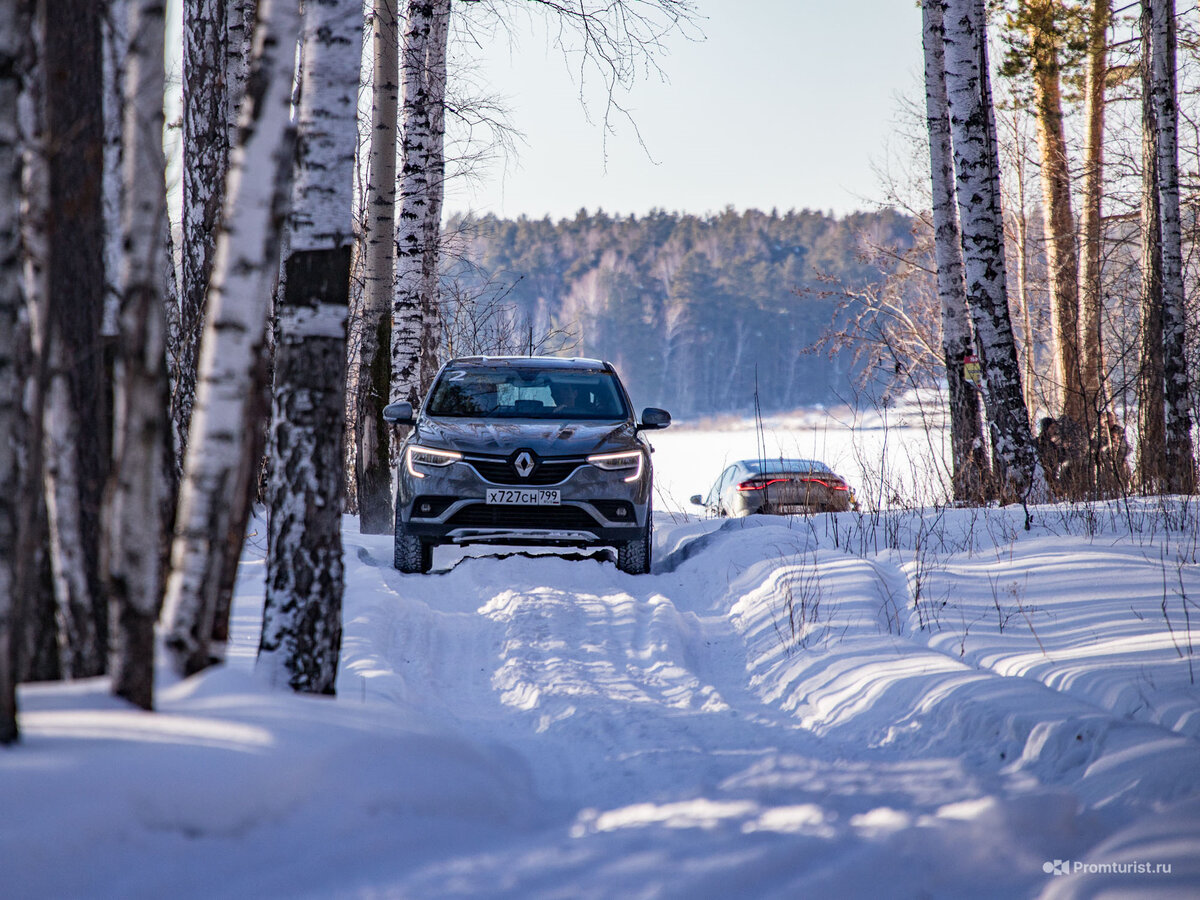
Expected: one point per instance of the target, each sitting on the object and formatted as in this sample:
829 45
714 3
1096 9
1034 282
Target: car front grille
548 471
484 515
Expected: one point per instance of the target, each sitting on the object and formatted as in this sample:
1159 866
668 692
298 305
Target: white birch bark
115 49
1152 435
415 163
134 521
435 99
977 180
244 275
372 434
38 653
239 28
302 630
12 29
69 207
206 162
969 474
1181 466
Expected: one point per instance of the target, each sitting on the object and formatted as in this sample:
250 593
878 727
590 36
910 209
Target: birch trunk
38 655
135 522
1024 300
1091 345
1181 464
77 425
1152 448
244 274
302 626
970 473
205 164
418 165
115 49
13 437
373 456
1062 257
239 30
977 179
435 90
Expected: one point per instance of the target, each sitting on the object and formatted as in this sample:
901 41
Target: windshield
508 392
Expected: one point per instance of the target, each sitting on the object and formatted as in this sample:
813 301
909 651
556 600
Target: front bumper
596 507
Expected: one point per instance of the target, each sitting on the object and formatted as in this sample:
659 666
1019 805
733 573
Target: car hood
545 438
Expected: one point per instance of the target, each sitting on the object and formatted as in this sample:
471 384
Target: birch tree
38 650
1180 460
135 512
302 628
431 227
115 49
970 473
12 431
244 274
421 162
205 164
1152 436
239 30
68 213
373 451
977 179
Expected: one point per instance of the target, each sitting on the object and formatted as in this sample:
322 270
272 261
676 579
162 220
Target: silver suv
525 450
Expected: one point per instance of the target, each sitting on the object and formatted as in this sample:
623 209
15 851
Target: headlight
614 462
416 455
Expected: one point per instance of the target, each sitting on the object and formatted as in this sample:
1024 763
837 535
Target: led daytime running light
440 458
614 461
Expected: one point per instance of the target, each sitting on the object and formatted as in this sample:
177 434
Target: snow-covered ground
892 704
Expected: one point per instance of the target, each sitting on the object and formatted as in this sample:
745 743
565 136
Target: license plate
523 496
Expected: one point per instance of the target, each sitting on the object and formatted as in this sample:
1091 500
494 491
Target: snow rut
757 685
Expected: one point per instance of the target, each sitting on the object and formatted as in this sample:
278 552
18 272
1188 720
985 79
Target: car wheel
412 554
634 556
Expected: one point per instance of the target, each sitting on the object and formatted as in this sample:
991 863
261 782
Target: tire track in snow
677 703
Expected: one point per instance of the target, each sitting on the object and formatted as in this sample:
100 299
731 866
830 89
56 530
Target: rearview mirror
696 499
400 413
653 419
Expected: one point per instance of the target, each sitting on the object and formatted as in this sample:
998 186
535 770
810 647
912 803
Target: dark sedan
779 487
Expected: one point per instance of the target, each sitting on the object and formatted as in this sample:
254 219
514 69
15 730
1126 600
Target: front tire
634 556
412 555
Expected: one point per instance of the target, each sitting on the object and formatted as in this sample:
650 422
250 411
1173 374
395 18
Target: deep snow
890 704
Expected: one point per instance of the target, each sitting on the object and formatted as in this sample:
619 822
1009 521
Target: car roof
526 362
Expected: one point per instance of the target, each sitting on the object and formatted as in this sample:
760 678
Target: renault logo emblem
523 464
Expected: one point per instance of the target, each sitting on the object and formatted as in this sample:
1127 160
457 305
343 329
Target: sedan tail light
761 485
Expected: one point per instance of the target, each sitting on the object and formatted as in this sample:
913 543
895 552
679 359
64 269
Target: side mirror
399 413
696 499
653 419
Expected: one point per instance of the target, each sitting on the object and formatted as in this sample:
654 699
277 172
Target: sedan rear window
524 393
782 466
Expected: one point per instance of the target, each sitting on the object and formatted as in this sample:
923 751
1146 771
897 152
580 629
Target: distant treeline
695 311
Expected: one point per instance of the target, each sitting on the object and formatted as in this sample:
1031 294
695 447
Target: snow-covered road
762 716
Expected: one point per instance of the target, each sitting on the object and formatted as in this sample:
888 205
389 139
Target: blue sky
783 103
